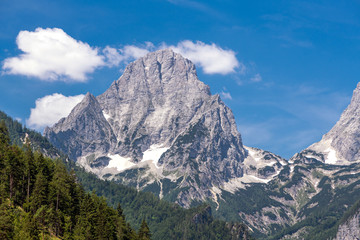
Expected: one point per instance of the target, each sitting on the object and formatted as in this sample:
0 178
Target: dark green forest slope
166 220
40 199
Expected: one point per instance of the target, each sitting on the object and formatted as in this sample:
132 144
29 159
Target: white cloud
50 54
256 78
50 109
225 95
212 58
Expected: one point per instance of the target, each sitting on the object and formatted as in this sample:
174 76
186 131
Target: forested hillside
165 220
40 199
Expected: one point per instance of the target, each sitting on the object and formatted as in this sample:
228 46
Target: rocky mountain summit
158 127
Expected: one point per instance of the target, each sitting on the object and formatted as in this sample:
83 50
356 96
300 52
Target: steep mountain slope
159 129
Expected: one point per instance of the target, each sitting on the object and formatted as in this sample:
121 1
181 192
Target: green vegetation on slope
165 220
40 199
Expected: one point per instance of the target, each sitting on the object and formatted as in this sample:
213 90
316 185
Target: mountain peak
158 117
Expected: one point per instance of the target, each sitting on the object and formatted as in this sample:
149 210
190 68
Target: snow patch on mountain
331 156
120 163
106 116
259 158
253 154
154 153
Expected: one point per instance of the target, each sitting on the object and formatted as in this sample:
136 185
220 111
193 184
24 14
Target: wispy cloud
289 41
199 7
50 109
314 105
114 57
225 95
256 78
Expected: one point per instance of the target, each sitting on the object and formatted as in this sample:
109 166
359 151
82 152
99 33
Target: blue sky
296 62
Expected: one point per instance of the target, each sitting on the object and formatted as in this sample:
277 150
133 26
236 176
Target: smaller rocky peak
341 145
216 98
88 102
89 98
89 106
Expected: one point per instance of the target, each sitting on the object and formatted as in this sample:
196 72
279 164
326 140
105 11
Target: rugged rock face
350 230
341 145
153 101
156 122
84 131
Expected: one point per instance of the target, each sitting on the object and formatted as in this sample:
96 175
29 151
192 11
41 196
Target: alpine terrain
159 129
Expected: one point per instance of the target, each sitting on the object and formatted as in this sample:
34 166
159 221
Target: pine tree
30 171
84 228
4 148
120 211
144 231
60 187
4 135
39 195
6 221
25 227
14 171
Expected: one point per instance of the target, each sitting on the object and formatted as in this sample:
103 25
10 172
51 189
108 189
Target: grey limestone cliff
159 118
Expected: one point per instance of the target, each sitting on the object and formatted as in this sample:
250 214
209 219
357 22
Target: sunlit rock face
160 119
